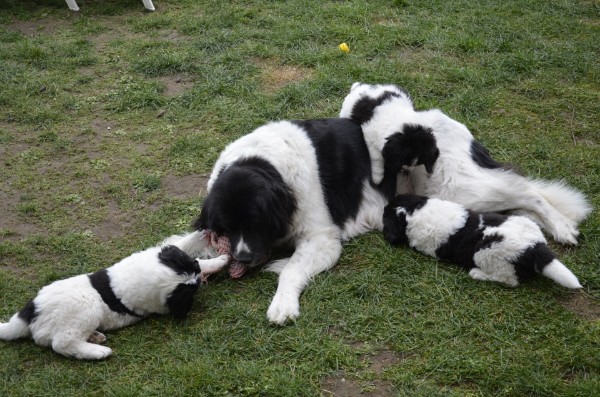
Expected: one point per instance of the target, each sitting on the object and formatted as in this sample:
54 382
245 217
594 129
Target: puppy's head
394 217
362 100
180 297
415 145
250 204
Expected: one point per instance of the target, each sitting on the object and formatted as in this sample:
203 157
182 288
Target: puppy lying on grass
492 247
69 314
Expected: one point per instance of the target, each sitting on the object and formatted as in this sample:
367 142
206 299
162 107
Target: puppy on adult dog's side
445 161
69 314
492 247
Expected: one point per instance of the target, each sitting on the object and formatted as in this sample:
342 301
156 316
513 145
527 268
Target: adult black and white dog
446 162
492 247
69 314
304 183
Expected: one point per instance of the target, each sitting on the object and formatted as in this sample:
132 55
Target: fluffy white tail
558 272
15 328
566 200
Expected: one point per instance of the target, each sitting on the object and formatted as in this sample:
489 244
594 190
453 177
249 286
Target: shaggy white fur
67 314
456 175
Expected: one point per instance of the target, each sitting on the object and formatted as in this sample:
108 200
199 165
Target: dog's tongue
237 269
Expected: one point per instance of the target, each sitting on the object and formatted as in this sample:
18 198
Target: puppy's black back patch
460 246
365 107
344 164
28 313
177 260
101 283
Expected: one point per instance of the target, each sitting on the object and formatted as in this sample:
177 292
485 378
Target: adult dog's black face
250 205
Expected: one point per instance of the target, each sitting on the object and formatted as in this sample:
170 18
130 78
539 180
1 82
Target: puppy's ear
429 158
397 152
180 301
394 226
177 260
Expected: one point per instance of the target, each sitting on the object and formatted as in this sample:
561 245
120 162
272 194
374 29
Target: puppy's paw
283 309
376 173
478 274
87 351
99 352
97 337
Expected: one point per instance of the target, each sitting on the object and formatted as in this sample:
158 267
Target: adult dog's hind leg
312 256
563 229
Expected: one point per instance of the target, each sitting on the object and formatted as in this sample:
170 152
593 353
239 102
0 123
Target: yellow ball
344 48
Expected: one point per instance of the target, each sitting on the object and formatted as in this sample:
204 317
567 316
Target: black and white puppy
492 247
69 314
301 183
446 162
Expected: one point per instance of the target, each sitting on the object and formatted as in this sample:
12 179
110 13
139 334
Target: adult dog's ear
394 226
180 301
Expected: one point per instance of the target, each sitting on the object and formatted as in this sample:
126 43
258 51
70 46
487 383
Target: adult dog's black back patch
344 164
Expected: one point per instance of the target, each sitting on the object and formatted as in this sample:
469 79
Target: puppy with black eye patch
442 159
492 247
70 314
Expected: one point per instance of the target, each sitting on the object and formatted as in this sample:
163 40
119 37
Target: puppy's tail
558 272
15 328
567 200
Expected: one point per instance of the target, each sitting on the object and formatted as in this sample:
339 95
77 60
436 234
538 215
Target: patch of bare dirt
115 225
582 305
186 186
100 126
275 76
340 386
12 225
38 27
176 84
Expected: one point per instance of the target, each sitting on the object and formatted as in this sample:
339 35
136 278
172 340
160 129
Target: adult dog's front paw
283 309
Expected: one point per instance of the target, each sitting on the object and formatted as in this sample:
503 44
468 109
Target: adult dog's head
250 204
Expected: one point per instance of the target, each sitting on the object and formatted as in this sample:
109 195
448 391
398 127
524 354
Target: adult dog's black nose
243 256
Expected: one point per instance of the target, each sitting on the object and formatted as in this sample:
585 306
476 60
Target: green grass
107 114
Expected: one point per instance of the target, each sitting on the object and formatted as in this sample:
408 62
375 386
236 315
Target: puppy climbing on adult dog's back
492 247
445 161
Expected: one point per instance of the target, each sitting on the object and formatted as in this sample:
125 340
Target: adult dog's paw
283 309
